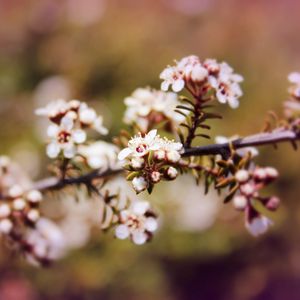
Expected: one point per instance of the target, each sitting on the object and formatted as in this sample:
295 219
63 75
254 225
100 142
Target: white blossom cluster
147 107
99 155
69 123
21 222
138 222
250 183
202 77
292 106
162 165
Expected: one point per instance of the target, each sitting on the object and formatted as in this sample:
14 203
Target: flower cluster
292 106
249 185
150 158
99 155
147 107
21 222
200 78
69 123
44 243
138 222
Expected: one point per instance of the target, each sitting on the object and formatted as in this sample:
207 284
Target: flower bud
19 204
273 203
155 176
247 189
87 116
33 215
137 162
240 202
4 210
198 73
260 174
242 176
6 226
159 154
172 173
34 196
139 184
271 173
15 191
173 156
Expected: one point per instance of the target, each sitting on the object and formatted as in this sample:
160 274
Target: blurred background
99 51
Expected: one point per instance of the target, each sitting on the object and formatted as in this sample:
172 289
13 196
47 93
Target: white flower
258 225
64 137
99 154
53 109
227 85
137 222
172 150
70 120
139 184
145 105
172 76
139 146
191 72
242 151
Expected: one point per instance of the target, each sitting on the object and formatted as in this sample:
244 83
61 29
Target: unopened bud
33 215
260 174
248 189
240 202
6 226
172 172
273 203
139 184
19 204
4 210
271 173
159 154
15 191
155 176
34 196
173 156
242 176
137 162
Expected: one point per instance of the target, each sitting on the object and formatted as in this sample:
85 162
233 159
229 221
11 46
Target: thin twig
269 138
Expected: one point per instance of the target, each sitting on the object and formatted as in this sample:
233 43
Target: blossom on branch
202 78
69 123
148 158
147 107
292 105
138 223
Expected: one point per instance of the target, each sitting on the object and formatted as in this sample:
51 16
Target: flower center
63 137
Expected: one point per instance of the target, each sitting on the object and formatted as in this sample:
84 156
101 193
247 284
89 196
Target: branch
266 138
54 183
270 138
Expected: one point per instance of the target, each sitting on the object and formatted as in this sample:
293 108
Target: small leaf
132 175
